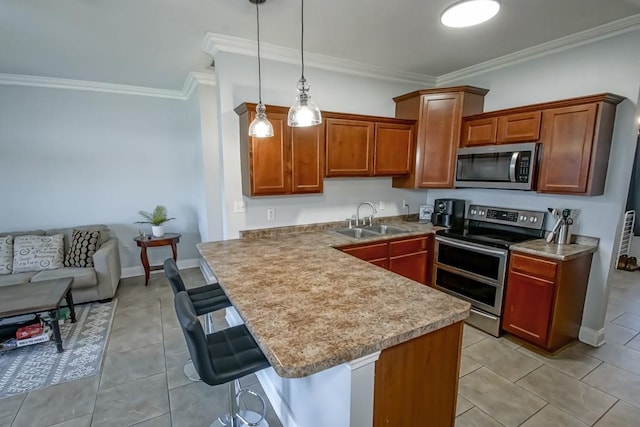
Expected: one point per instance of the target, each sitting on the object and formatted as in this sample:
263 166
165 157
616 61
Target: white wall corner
214 43
592 337
591 35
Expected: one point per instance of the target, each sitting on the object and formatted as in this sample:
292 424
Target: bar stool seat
223 357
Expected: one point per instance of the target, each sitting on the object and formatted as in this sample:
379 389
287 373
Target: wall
610 65
237 83
71 157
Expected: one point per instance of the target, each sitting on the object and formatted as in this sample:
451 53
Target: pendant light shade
466 13
304 112
260 127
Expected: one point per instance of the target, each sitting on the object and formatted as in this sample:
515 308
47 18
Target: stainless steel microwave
506 166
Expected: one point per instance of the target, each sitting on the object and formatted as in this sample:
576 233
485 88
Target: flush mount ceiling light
260 127
304 112
466 13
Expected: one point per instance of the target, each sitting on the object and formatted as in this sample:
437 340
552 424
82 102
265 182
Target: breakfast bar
350 344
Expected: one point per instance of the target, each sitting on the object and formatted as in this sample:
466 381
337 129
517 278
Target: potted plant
156 218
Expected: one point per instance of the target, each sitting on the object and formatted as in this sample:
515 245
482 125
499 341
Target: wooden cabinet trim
407 246
537 267
369 252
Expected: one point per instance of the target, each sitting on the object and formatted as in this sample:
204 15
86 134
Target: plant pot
157 230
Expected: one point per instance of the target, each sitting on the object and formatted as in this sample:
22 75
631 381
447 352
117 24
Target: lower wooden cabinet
409 257
545 298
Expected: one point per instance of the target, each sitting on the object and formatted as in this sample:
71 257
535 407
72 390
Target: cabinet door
528 307
376 251
393 149
438 136
269 159
412 266
521 127
349 147
567 139
307 155
479 132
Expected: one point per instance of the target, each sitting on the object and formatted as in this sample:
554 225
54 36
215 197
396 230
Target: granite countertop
540 247
311 307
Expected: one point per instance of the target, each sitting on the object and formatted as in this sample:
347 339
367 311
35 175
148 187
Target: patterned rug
40 365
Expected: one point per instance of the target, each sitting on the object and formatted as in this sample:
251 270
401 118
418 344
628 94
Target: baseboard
280 407
591 336
139 271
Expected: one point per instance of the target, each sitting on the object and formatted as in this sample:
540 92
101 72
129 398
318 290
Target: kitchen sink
357 233
385 229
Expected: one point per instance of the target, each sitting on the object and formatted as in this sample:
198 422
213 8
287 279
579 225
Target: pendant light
304 112
260 127
466 13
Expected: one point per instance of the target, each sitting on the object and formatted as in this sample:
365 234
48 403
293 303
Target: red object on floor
29 331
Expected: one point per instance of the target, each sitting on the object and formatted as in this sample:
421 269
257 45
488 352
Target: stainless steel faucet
370 216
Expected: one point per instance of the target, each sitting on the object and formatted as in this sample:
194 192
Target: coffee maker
448 213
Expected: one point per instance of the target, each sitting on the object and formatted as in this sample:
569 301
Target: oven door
472 272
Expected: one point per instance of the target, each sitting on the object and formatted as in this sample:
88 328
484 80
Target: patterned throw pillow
6 254
37 253
84 243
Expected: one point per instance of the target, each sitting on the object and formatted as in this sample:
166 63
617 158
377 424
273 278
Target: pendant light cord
259 69
302 37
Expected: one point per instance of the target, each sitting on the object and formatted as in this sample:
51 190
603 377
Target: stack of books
27 335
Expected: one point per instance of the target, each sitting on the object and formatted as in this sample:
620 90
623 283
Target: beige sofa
90 283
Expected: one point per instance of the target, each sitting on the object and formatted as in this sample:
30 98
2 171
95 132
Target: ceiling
156 43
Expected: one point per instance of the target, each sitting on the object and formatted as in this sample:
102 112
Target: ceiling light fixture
260 127
304 112
466 13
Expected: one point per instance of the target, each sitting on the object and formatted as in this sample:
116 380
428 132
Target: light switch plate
238 206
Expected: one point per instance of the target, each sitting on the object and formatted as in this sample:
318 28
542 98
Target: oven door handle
512 166
470 247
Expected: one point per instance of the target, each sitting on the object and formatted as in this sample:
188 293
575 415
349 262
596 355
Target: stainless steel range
471 263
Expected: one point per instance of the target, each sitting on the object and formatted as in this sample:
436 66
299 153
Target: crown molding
190 83
581 38
214 43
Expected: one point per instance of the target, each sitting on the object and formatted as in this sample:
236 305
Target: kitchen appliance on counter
448 213
506 166
471 262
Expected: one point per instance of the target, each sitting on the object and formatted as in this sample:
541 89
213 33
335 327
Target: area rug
40 365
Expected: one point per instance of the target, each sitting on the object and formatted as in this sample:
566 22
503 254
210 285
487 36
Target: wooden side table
144 242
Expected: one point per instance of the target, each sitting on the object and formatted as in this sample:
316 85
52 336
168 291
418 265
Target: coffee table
36 297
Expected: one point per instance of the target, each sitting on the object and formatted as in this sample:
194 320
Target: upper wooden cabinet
439 113
576 141
518 127
367 146
289 162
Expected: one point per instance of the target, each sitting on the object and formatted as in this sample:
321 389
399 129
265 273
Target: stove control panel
506 216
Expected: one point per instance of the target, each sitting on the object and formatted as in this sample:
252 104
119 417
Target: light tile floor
501 382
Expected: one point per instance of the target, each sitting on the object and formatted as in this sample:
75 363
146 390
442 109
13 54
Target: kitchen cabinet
367 146
289 162
410 257
545 298
576 141
439 113
502 129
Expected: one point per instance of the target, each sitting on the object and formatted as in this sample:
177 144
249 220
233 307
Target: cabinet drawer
369 252
534 266
407 246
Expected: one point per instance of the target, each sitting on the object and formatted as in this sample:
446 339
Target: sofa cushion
6 254
23 233
37 253
82 277
16 279
68 233
84 244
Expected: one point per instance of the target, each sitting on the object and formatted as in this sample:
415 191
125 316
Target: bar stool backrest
196 339
173 274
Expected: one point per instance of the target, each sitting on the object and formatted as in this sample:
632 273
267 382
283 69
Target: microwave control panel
522 218
523 167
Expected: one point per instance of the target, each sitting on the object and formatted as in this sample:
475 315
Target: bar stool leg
190 370
242 418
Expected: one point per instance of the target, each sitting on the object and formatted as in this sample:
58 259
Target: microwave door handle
512 166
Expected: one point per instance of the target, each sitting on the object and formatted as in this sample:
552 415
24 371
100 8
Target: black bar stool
205 299
223 357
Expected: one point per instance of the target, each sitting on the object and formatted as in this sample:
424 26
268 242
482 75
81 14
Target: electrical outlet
271 214
381 207
405 204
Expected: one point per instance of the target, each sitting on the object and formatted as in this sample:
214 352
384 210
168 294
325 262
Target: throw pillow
84 243
6 254
37 253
